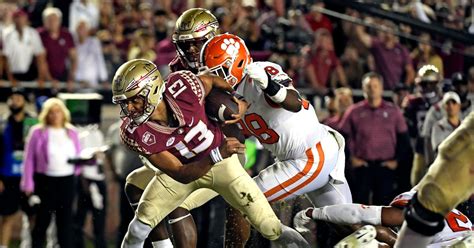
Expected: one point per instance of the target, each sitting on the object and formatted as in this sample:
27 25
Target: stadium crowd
416 92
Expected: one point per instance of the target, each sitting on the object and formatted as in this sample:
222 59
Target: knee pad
137 231
422 220
270 228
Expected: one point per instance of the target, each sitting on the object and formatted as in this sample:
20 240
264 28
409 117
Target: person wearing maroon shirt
61 54
373 128
316 19
392 59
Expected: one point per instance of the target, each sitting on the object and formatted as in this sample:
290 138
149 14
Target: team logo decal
148 138
170 141
230 46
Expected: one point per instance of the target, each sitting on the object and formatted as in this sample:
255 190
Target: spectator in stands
11 149
47 173
91 68
160 25
142 46
23 51
252 35
323 63
451 120
121 41
392 60
83 10
343 98
112 56
106 14
92 190
373 128
426 55
145 13
61 54
316 19
354 66
123 161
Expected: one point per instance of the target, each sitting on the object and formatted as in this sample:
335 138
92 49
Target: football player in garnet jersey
167 124
310 156
193 28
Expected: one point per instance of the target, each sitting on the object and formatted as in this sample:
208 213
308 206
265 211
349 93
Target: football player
447 183
310 156
193 28
415 108
167 124
456 223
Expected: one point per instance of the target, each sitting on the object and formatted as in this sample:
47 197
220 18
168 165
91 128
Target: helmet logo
148 138
230 47
118 84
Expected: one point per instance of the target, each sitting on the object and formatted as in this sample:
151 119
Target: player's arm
186 173
288 98
351 214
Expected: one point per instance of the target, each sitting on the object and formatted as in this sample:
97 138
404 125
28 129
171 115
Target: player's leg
241 192
161 196
183 227
136 183
447 183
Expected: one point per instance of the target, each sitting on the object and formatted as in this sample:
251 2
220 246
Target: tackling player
310 156
456 223
166 123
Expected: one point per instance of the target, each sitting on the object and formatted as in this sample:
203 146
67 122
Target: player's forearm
349 214
192 171
292 101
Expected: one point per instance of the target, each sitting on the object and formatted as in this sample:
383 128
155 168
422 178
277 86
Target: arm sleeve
349 214
27 183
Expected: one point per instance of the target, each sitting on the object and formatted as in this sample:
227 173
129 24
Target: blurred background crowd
419 55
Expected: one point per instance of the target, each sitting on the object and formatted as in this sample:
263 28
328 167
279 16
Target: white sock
409 238
349 214
165 243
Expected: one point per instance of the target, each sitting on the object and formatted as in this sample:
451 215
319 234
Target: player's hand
231 146
243 105
357 162
257 74
390 164
301 220
2 186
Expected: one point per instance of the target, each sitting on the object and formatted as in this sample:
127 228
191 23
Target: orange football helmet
226 56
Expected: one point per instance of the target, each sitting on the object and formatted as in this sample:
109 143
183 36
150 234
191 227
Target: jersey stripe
301 174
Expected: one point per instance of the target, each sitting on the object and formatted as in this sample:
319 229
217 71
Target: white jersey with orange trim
456 223
309 154
286 134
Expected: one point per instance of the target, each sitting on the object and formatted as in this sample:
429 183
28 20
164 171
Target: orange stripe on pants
309 180
294 179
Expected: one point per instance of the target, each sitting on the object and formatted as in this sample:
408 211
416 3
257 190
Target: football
220 105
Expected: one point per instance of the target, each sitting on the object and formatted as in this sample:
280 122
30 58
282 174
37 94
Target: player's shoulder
130 136
275 71
179 82
401 200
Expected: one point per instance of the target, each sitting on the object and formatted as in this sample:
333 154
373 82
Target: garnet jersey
178 64
286 134
455 222
195 135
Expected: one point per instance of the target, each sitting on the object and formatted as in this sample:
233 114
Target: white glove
258 74
300 221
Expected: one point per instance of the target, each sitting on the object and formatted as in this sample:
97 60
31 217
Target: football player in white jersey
457 225
309 155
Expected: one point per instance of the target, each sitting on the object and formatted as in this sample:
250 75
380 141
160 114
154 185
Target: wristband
216 156
280 96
